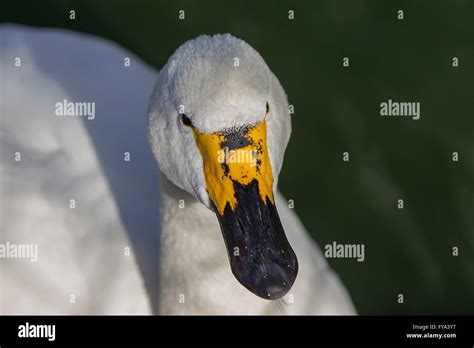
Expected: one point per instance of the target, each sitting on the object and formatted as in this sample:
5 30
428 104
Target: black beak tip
271 281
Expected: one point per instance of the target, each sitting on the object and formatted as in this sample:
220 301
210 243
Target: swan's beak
239 182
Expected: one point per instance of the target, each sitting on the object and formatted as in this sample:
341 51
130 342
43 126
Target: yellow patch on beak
235 156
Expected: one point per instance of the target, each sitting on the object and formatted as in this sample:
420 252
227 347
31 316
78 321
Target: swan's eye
268 109
186 121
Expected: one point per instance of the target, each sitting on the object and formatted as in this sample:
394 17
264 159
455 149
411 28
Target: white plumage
81 250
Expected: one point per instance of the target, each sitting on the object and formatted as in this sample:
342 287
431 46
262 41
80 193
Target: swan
228 242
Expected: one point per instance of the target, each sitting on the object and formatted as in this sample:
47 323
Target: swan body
119 204
83 266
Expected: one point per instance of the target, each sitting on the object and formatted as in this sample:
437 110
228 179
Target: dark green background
408 251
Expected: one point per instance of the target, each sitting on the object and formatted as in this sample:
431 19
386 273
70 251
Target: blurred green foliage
408 251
